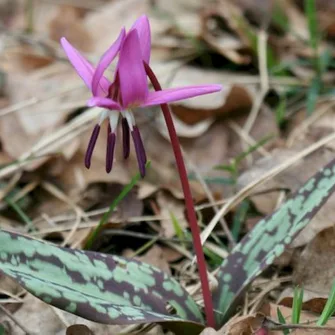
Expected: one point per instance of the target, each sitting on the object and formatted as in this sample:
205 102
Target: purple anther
144 156
91 145
140 152
126 138
111 139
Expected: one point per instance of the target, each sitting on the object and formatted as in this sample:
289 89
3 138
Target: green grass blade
297 304
281 111
177 228
24 217
239 218
313 94
116 201
279 17
310 11
252 148
329 308
282 320
325 61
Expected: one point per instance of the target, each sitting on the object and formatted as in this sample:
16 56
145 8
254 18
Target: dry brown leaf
170 206
7 11
103 194
242 325
9 285
187 75
154 256
74 175
68 22
209 331
171 255
175 7
23 59
37 317
304 131
32 122
314 268
78 330
95 328
259 11
223 42
104 25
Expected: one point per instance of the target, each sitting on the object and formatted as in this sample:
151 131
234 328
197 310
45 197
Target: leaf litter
45 126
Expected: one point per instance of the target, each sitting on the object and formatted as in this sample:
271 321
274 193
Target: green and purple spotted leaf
268 240
102 288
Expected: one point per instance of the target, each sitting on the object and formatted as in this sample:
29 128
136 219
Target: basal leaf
268 240
102 288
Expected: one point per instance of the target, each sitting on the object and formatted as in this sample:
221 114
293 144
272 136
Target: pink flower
128 90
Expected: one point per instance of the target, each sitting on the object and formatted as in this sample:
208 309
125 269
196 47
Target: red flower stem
192 219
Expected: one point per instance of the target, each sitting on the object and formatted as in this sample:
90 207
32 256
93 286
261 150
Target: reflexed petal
104 62
142 26
83 67
103 102
133 80
175 94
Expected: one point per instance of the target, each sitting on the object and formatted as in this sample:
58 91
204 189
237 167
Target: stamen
141 144
140 152
91 145
128 115
126 138
111 139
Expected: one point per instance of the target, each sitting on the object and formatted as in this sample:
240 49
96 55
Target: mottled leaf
102 288
268 240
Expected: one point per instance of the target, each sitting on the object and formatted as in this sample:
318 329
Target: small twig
308 122
52 189
34 100
10 185
255 303
262 62
16 321
247 138
273 325
93 4
54 141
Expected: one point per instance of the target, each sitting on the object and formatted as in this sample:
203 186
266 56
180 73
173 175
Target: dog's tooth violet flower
129 89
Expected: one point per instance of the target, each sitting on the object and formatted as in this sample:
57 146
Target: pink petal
175 94
104 62
83 67
133 80
104 103
142 26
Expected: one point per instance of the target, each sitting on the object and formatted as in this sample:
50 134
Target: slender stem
192 219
